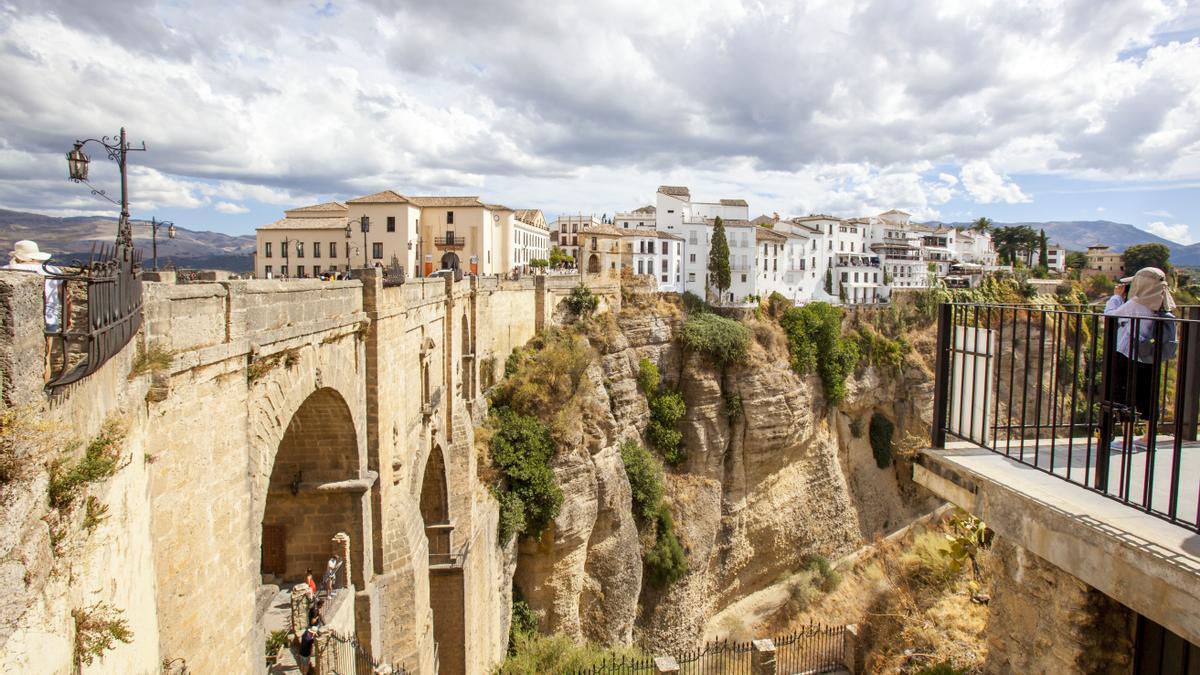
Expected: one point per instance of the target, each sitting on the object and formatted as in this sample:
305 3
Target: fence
343 655
812 649
1056 389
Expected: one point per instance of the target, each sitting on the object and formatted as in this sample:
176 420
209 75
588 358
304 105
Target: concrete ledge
1139 560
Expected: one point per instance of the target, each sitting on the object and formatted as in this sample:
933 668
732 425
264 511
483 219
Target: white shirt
1118 307
52 291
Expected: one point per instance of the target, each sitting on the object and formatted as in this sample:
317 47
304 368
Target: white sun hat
27 250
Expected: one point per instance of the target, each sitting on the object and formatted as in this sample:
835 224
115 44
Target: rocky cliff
788 477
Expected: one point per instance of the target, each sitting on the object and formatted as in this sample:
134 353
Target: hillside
74 237
1077 235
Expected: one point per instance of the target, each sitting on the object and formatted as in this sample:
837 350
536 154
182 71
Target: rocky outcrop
759 491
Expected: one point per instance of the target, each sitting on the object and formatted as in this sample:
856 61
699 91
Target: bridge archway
314 491
450 261
446 589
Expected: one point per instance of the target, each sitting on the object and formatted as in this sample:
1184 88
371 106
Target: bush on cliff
645 480
815 342
524 620
582 301
648 377
722 341
521 449
548 379
666 409
665 562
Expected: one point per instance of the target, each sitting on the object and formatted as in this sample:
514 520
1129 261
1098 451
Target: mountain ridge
1077 235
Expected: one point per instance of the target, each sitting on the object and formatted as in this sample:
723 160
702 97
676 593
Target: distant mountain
1077 235
74 237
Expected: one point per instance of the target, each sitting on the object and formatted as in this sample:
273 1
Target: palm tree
982 225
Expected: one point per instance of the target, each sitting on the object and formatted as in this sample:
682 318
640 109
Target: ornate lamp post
117 149
349 233
154 225
365 224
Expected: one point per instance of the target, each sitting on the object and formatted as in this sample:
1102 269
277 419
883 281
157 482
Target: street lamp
154 225
349 233
77 170
365 224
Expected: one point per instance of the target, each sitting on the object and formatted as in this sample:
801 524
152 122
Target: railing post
850 648
1189 372
666 664
762 657
941 385
1106 410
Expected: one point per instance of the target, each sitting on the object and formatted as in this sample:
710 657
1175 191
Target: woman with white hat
1149 299
26 257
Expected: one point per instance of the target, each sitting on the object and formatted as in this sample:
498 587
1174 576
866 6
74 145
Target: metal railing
812 649
112 299
1055 389
728 657
344 655
450 241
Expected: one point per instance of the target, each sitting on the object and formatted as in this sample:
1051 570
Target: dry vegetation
914 605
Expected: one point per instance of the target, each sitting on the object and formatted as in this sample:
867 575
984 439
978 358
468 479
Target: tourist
314 611
304 658
26 257
331 573
1148 299
312 583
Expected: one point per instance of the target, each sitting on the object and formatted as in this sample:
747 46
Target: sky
1017 110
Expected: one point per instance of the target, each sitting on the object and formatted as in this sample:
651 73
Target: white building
566 229
531 239
640 218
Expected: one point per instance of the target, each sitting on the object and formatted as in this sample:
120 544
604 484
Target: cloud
1177 233
948 178
229 207
986 186
1160 213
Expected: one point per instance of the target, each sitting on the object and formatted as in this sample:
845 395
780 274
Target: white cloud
1160 213
986 186
229 207
948 178
1177 233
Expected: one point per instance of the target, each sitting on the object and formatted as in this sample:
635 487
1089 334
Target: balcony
449 242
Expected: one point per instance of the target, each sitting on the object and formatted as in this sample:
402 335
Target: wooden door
274 550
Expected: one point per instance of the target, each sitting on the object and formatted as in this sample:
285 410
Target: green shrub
880 432
825 577
512 515
536 654
925 563
98 629
524 620
733 406
815 342
665 562
582 301
722 341
521 449
666 409
548 380
101 460
512 363
777 303
694 304
878 350
647 377
645 479
802 592
275 641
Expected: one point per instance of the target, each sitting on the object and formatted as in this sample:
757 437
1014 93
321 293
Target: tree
829 281
1015 242
1043 256
1146 255
982 224
558 257
1076 260
718 258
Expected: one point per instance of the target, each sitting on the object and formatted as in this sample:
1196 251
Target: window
650 245
449 217
845 277
377 250
299 251
316 249
670 210
333 249
640 267
391 223
691 276
316 270
650 266
691 257
283 270
664 278
267 250
743 278
300 271
678 248
267 270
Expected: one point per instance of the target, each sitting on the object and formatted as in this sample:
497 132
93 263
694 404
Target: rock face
758 492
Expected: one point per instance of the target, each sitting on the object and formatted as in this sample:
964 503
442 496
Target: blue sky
1046 110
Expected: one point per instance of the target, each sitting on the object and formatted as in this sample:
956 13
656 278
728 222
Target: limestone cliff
786 478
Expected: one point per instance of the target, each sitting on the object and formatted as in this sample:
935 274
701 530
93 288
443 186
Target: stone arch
435 503
314 490
450 261
468 360
593 264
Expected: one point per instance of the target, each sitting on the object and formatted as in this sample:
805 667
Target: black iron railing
344 655
450 241
812 649
1055 388
112 302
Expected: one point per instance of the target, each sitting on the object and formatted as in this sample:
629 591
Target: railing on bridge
344 655
1053 388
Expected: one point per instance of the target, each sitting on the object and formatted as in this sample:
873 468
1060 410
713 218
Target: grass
95 513
102 459
534 654
275 641
98 629
151 360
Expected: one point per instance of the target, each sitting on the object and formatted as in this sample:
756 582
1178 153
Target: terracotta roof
730 222
663 234
314 208
763 220
765 233
897 212
453 201
675 191
306 224
385 197
815 216
734 202
531 217
645 209
637 232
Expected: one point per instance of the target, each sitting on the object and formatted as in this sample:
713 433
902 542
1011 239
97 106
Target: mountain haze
74 237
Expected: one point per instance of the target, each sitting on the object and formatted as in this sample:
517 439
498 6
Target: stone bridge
292 411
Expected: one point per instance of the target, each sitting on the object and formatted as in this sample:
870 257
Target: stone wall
1043 620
